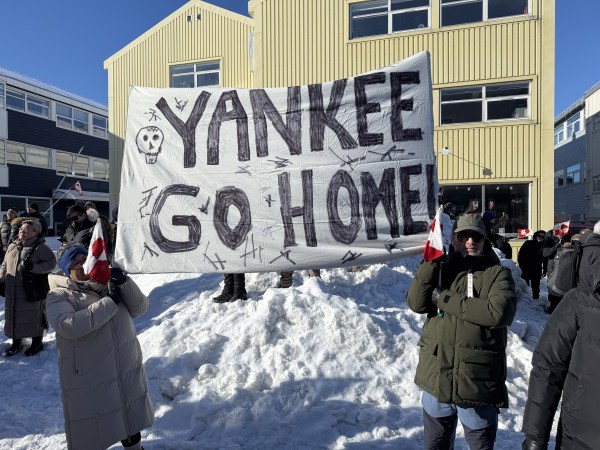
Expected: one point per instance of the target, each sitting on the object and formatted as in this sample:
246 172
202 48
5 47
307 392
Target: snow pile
326 364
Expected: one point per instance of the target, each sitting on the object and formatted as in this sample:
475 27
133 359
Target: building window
18 153
559 134
37 105
100 127
559 178
1 95
100 169
79 166
71 118
508 202
2 153
485 103
596 184
15 100
574 124
455 12
196 75
387 16
32 104
574 174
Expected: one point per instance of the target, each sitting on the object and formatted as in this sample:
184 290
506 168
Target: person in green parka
470 300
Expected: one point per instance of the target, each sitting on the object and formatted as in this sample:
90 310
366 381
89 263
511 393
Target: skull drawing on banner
149 141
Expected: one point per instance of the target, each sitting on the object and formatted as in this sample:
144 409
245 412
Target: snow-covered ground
326 364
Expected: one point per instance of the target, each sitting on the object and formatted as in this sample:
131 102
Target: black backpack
565 272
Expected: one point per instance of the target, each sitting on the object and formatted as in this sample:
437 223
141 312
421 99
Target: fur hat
68 257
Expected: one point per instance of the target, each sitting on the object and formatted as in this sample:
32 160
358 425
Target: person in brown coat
25 315
102 378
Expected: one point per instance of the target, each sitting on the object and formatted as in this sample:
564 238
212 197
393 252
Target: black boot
239 287
35 347
14 348
227 293
285 280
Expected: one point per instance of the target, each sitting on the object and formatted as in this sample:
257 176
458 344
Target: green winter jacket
462 357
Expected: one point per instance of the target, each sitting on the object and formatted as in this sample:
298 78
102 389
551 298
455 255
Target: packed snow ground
326 364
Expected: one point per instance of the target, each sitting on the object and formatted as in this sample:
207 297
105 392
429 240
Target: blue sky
65 42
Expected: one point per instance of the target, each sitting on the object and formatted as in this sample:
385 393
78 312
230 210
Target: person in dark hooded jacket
565 362
590 258
531 261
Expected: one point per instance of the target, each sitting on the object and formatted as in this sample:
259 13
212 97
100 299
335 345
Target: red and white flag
96 265
77 187
522 233
561 229
434 247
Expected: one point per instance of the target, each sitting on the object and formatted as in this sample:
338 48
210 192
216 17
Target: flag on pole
96 265
77 187
434 247
561 229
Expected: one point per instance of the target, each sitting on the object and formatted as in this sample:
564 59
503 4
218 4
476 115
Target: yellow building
492 74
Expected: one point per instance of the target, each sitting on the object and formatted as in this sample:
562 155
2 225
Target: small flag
96 265
522 233
434 247
77 187
561 229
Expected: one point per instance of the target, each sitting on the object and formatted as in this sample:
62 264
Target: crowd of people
468 296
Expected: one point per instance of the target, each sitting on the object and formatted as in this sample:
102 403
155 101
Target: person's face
76 270
76 217
30 210
468 243
541 237
10 215
26 232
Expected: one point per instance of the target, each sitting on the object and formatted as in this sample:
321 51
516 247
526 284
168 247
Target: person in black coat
565 362
531 261
33 211
590 258
550 247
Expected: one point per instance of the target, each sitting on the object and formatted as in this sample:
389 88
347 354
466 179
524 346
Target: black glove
117 276
115 295
531 444
25 265
435 295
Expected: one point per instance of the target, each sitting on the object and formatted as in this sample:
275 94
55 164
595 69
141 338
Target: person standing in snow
5 229
27 258
234 288
565 362
470 300
103 382
590 257
531 262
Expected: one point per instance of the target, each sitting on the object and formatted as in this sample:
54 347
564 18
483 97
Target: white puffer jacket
104 385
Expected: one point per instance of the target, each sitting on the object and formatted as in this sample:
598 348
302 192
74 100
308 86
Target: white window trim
390 21
564 128
26 106
485 100
484 13
72 119
195 73
90 170
2 95
26 148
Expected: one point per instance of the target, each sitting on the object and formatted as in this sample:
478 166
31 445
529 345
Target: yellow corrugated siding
215 36
307 42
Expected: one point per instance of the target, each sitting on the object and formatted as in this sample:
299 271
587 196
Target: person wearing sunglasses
470 301
80 227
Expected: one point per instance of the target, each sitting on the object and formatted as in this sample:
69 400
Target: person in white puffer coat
103 382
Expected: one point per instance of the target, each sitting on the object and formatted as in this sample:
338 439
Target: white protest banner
250 180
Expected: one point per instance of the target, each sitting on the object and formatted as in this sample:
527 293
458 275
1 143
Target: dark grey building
577 160
50 139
